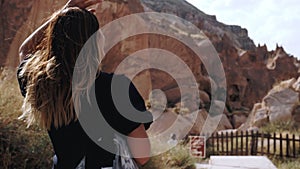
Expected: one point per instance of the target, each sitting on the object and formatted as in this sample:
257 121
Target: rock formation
18 20
207 23
280 104
250 71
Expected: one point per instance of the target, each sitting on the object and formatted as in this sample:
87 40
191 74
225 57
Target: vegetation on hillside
20 147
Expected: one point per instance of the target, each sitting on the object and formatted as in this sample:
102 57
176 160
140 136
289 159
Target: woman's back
71 143
45 78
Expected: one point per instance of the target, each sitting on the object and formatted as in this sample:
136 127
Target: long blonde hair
49 69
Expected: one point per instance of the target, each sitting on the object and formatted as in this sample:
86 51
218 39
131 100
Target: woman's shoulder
106 77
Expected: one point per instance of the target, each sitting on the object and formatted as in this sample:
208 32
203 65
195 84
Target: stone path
237 162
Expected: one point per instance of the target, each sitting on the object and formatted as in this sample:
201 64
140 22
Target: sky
268 22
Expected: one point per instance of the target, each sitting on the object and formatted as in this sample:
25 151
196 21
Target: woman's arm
30 43
36 37
140 148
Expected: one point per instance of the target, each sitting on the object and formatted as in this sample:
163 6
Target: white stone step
237 162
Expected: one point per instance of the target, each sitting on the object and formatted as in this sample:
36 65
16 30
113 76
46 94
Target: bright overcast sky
267 21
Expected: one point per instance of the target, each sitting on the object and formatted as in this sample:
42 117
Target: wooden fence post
227 146
247 141
287 145
298 150
242 146
294 146
236 143
213 143
262 144
268 143
222 142
256 142
280 146
274 143
217 143
231 143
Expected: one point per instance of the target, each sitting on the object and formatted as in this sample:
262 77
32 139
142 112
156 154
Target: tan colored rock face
20 19
296 115
261 117
239 118
280 104
12 16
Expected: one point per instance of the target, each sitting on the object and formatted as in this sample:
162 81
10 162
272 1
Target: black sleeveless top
71 143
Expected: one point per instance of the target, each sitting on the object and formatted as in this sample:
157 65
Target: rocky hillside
207 23
251 71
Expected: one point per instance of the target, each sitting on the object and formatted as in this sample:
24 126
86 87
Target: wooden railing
254 143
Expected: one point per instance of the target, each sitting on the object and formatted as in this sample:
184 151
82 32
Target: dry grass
284 163
176 158
281 127
20 147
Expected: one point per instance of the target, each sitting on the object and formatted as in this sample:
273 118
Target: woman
48 58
